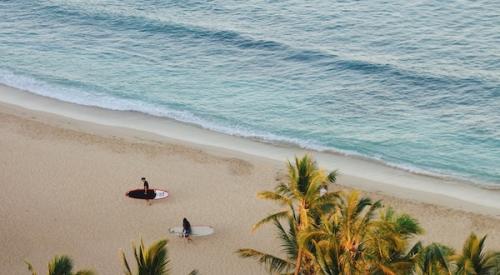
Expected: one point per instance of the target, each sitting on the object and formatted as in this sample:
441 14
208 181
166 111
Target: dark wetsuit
186 232
146 186
186 228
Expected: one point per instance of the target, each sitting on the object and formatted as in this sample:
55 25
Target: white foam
97 99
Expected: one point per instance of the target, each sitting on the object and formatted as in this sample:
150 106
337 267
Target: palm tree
433 259
387 243
61 265
303 206
352 239
474 260
300 195
151 261
342 235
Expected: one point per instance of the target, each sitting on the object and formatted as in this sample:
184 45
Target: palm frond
272 263
60 265
157 257
289 240
434 258
153 260
371 211
326 259
30 267
269 195
270 218
284 190
492 263
313 189
327 202
408 226
332 177
416 248
127 270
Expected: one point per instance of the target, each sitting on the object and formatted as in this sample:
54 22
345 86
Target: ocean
413 84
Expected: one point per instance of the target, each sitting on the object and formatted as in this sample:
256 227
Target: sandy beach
64 178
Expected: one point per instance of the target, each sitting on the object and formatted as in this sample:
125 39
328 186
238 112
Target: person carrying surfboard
186 229
146 189
146 185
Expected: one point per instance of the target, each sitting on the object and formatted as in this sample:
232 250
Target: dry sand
63 184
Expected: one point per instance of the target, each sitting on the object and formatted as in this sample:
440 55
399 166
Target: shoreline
371 175
279 141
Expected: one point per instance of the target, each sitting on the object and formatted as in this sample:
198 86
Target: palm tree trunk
298 262
300 227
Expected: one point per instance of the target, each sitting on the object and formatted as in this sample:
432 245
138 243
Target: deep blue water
415 84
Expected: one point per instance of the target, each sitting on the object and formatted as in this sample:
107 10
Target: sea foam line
96 99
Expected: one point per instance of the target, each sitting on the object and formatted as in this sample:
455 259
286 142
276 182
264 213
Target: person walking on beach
146 185
146 189
186 229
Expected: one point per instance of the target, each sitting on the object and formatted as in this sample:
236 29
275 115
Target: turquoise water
413 84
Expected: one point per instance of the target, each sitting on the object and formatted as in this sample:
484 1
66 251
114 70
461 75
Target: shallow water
416 85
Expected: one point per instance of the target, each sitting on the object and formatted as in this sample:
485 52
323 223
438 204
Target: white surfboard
197 230
160 194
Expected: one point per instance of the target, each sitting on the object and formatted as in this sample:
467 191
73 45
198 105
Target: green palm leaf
272 263
61 265
271 218
474 260
274 196
151 261
288 238
30 267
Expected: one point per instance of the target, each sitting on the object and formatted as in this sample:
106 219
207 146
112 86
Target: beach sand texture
63 192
